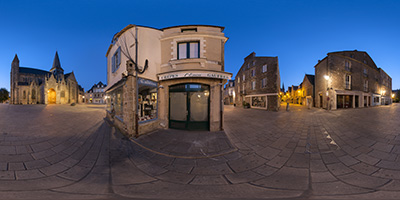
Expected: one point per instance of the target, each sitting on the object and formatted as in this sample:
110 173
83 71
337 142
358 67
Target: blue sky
299 32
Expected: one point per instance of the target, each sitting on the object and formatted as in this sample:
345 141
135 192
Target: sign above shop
147 82
195 74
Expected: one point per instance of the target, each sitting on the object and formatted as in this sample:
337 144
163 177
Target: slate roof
310 78
27 70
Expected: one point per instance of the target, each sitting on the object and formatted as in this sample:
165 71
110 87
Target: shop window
116 60
147 100
188 50
115 102
258 101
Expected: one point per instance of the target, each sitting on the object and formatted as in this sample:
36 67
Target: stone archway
51 96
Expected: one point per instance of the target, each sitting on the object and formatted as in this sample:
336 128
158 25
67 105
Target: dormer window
188 50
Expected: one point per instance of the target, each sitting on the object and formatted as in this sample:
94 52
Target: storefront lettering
194 74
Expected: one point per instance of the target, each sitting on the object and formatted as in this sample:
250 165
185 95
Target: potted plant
246 105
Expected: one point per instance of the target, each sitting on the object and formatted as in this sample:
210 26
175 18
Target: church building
35 86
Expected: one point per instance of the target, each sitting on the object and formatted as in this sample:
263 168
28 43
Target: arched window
33 94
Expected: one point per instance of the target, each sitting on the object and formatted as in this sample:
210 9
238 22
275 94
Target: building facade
258 83
170 78
307 91
35 86
229 93
96 94
350 79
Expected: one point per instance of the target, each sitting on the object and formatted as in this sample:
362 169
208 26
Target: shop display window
258 101
115 102
147 99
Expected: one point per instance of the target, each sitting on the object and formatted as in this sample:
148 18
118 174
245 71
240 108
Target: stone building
229 93
307 90
35 86
96 94
170 78
258 82
350 79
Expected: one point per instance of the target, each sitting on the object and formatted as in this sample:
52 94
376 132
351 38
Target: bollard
287 107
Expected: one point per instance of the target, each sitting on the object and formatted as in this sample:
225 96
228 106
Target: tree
3 95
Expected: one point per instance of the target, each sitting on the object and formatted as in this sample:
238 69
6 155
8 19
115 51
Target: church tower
56 70
14 80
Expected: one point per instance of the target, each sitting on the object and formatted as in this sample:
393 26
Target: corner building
258 83
178 81
350 79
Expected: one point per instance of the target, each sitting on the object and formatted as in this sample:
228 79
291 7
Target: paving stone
393 185
389 164
364 168
317 166
387 173
365 181
336 188
339 169
124 172
53 169
329 158
208 180
8 150
28 174
176 177
16 166
322 177
243 177
7 175
75 173
212 170
268 153
299 160
383 147
288 178
367 159
35 164
265 170
246 163
38 147
348 160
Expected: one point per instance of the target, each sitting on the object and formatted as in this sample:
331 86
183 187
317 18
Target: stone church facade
35 86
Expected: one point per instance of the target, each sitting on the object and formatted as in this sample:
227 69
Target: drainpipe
137 88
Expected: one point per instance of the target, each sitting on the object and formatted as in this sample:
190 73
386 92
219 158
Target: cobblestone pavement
60 151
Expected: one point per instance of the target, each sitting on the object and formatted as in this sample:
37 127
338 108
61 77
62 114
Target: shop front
192 102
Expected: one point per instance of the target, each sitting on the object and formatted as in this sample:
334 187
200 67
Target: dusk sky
299 32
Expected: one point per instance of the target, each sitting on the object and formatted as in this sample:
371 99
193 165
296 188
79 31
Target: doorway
51 96
189 106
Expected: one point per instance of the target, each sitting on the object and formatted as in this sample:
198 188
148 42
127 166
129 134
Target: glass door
189 107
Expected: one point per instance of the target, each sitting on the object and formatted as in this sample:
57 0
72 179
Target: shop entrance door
189 106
